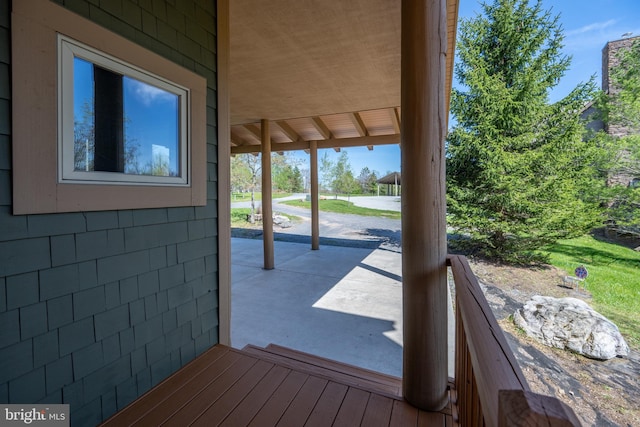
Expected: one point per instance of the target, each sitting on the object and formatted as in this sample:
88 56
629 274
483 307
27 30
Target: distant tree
84 146
240 174
286 174
245 173
519 173
326 171
367 180
297 183
343 180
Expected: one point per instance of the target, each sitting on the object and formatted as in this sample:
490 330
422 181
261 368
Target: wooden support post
224 174
315 218
267 198
424 237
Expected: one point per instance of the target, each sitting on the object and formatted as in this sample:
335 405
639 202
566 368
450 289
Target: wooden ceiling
322 70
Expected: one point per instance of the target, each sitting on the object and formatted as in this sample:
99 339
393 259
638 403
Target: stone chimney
609 61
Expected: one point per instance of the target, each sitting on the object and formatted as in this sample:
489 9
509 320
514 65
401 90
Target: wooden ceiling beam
288 131
321 127
254 130
358 124
235 141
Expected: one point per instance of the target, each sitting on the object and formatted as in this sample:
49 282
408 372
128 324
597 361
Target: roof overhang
327 71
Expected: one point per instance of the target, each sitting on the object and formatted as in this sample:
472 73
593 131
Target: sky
588 26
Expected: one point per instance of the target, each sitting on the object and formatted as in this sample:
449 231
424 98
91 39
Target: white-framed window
117 123
50 46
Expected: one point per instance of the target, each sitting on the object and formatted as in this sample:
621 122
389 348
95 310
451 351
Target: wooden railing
491 389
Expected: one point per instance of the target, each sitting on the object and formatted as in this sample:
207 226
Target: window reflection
136 130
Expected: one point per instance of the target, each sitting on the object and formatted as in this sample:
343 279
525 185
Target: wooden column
267 198
424 238
224 174
315 218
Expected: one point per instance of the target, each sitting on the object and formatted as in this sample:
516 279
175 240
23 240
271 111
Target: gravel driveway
337 229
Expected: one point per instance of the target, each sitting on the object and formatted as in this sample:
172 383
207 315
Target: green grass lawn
614 279
345 207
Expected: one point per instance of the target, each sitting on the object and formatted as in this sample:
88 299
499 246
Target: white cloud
595 35
148 94
596 26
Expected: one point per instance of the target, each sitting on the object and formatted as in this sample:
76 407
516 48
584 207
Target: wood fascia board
452 20
277 147
363 141
321 127
395 120
360 141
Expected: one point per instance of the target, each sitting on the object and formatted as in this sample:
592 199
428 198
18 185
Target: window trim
36 187
68 50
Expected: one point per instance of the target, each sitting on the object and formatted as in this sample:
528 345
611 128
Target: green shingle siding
97 307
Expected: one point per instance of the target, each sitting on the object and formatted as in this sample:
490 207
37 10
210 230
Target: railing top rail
495 366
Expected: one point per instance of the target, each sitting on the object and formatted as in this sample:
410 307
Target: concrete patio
340 303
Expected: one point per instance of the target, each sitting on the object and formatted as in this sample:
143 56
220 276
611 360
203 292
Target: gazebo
391 179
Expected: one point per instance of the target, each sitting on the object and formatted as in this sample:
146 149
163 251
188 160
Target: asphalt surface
335 228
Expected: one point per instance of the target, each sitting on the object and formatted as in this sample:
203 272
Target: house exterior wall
98 307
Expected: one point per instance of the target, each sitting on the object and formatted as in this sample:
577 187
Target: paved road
338 229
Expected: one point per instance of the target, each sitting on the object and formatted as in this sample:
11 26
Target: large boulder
569 323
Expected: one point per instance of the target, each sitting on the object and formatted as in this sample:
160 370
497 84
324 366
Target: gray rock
569 323
282 221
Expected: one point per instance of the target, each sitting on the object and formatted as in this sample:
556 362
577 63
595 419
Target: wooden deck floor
275 386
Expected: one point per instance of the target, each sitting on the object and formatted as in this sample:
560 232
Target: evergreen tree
519 173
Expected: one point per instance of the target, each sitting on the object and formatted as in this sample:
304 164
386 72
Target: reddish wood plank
280 400
331 370
197 383
328 405
229 387
352 409
378 411
222 407
403 414
303 403
193 400
431 419
346 368
253 402
174 384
